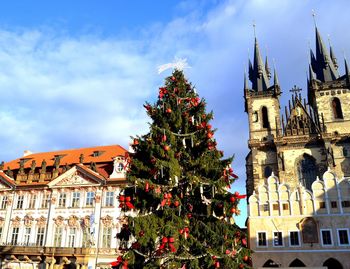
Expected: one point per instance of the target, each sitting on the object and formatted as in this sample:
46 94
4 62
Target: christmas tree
179 210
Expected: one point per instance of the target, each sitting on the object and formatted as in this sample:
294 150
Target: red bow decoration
166 200
162 91
125 202
185 231
229 172
195 101
120 261
240 196
167 242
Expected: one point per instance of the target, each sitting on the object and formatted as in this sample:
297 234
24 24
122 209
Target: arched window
265 117
307 171
332 264
267 171
336 106
297 263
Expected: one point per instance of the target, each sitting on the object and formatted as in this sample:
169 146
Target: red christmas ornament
166 147
208 126
141 233
173 78
168 110
209 135
217 264
163 138
233 210
176 203
147 187
241 266
244 242
245 258
136 141
232 199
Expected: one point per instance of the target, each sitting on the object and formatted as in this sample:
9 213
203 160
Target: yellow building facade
298 167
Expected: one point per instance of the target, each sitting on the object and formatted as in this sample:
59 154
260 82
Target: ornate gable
77 177
300 120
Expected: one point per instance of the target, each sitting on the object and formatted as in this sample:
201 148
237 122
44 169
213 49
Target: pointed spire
311 73
323 65
333 58
346 68
267 68
245 81
275 78
257 72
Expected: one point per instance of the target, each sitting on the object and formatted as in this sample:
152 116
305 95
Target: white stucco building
59 208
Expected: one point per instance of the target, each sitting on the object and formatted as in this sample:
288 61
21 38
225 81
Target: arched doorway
297 263
270 263
332 263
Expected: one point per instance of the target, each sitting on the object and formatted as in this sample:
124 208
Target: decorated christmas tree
180 211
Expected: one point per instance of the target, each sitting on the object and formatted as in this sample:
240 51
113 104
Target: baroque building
298 167
61 208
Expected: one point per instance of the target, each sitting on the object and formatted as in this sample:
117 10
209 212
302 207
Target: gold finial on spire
254 26
314 17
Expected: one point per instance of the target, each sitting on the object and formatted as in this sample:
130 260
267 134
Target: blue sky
76 73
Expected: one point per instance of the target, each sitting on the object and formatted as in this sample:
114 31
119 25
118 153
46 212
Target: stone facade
290 154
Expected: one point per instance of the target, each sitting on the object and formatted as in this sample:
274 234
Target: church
298 166
61 210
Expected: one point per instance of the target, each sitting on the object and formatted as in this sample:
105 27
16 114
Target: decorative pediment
77 176
300 119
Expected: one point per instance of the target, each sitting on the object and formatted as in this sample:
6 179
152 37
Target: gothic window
336 106
271 263
267 171
307 171
265 117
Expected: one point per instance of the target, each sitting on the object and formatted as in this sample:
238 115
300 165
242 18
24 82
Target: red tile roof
69 156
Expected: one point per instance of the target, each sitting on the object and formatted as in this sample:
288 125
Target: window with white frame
27 232
107 237
71 237
20 200
294 238
326 236
58 236
32 200
262 242
90 197
40 236
109 198
277 239
14 235
46 200
75 199
343 237
62 198
4 202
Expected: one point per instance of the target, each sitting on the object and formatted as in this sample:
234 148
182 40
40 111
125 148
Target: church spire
346 68
257 72
323 64
267 68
